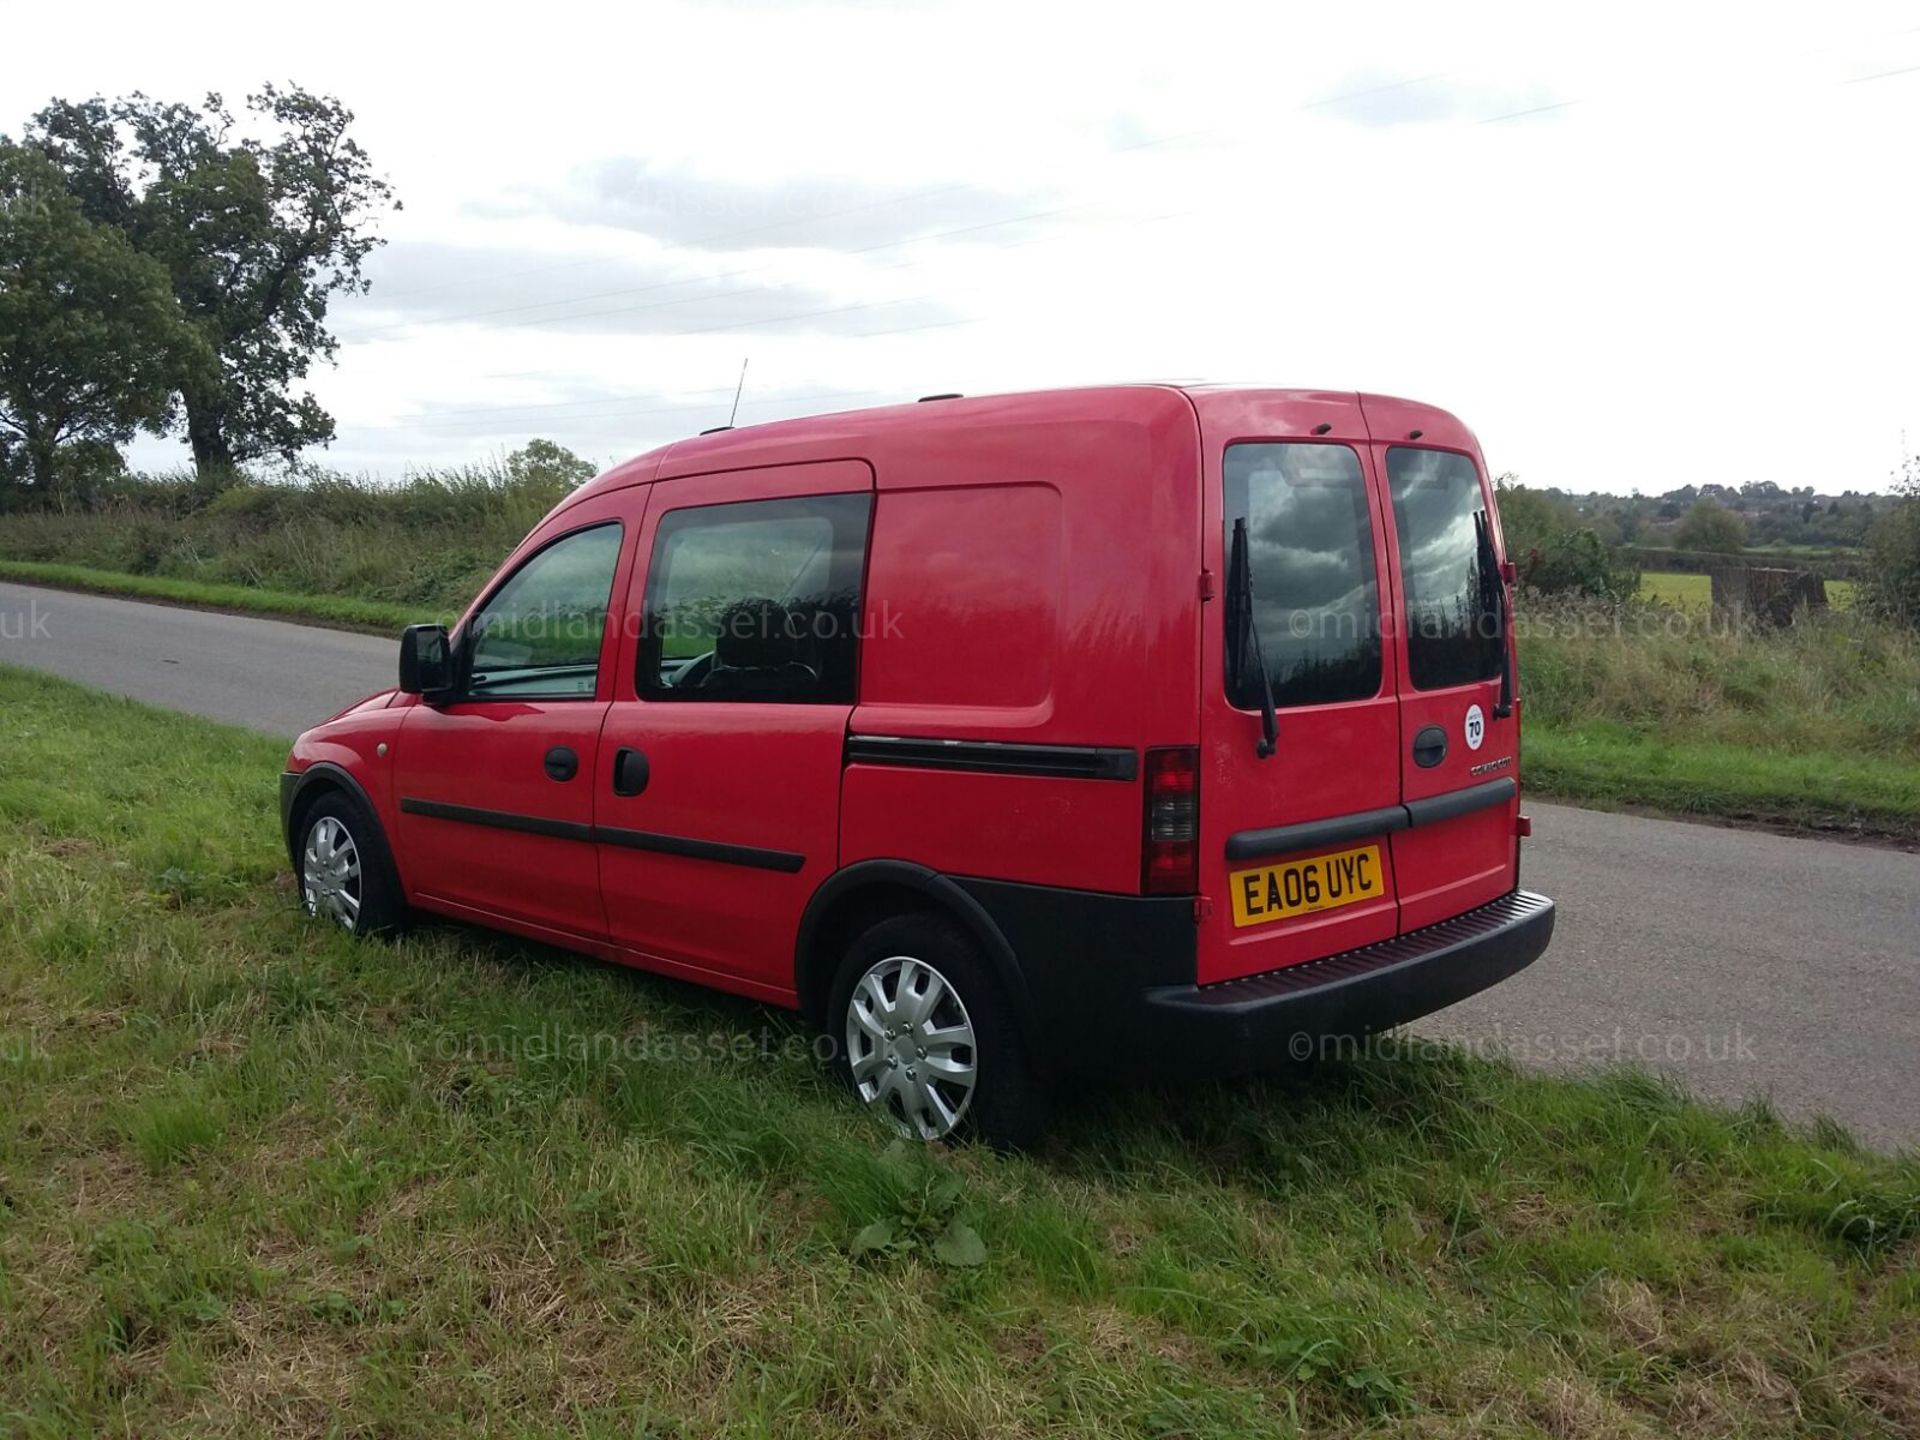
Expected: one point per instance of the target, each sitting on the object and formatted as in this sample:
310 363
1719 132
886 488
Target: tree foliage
543 462
255 235
92 345
1709 525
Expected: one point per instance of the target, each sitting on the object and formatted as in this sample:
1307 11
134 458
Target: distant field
1695 592
1684 592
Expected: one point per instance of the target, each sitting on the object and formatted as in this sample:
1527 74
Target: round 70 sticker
1476 727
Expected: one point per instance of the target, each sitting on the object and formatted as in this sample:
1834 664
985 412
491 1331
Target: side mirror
426 666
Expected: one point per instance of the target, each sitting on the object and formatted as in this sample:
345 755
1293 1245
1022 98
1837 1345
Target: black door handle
562 763
630 771
1429 747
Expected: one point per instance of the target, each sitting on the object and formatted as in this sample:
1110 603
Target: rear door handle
561 763
630 771
1429 747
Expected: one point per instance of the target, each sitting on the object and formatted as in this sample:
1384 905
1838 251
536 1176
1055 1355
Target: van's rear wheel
929 1040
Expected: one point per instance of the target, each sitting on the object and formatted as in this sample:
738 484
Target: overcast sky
1650 246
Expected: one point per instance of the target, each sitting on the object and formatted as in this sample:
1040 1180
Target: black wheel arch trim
811 971
296 783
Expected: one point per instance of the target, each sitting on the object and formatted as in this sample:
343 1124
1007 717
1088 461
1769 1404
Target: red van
1134 729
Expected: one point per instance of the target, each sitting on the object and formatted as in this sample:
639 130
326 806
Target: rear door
1459 757
716 802
1294 848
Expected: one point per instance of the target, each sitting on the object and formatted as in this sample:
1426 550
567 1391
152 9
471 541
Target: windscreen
1452 639
1310 564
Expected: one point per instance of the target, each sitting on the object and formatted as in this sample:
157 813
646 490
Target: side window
1310 562
758 600
1444 559
539 636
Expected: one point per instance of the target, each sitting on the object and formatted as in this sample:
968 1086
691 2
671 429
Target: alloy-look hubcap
911 1047
330 873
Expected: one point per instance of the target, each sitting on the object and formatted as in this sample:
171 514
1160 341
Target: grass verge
1608 766
256 1176
334 610
1655 707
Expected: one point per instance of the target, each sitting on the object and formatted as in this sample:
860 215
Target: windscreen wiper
1245 636
1493 595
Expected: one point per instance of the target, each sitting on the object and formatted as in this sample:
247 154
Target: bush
1556 555
1576 562
1890 588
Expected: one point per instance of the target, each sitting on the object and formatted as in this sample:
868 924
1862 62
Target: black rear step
1264 1020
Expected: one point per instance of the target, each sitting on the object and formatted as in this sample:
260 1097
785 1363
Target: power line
591 314
514 410
485 426
1883 75
693 399
704 242
694 299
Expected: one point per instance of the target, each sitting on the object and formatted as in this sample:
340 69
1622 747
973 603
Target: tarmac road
1744 963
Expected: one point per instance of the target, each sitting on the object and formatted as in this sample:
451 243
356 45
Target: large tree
92 345
1709 525
256 236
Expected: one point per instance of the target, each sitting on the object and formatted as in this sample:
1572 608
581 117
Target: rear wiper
1244 638
1493 595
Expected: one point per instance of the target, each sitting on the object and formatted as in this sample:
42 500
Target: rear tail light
1170 853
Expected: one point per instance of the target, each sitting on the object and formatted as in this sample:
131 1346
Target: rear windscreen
1452 639
1310 554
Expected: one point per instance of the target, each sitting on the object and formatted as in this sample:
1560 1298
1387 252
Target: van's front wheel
929 1040
345 875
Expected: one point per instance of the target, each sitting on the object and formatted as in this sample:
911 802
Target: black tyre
345 873
928 1039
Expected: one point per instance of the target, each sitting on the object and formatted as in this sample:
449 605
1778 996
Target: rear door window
1310 556
1452 635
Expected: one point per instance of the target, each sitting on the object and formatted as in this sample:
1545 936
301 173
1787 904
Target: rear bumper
1109 989
1292 1013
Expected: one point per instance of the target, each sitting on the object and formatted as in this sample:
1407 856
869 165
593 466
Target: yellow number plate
1300 887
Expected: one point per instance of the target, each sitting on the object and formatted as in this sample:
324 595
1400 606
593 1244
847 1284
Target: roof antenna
736 392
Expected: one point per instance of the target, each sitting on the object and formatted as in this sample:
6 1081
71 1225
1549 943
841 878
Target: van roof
847 433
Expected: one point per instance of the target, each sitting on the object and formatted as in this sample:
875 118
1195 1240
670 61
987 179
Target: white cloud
1667 245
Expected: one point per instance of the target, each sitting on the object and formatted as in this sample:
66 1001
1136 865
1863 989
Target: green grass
255 1176
244 599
